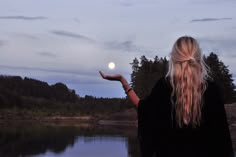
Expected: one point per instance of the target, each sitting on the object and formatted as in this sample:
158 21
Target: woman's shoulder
164 81
214 91
213 85
161 88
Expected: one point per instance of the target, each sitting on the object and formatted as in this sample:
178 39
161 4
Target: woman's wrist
123 80
127 88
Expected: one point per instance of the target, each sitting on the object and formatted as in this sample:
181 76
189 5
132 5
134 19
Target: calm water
67 141
58 141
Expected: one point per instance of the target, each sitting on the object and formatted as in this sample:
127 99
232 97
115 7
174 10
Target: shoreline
80 121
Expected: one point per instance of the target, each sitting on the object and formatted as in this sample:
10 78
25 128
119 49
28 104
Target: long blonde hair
188 73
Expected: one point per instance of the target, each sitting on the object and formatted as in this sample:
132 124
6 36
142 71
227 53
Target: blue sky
70 40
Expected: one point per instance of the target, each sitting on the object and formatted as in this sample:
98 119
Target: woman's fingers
102 74
110 77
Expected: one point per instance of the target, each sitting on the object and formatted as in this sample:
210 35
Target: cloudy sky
70 40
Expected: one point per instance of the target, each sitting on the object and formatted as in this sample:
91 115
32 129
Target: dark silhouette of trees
30 95
146 73
14 88
93 105
221 74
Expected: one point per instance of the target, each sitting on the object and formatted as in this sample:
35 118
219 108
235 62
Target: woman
184 115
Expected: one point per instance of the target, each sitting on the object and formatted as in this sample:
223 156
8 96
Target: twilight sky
70 40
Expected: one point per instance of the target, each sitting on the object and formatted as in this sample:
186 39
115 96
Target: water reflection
94 147
52 141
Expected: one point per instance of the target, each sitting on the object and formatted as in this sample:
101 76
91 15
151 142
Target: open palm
114 77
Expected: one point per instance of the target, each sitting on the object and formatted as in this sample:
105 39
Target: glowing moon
111 65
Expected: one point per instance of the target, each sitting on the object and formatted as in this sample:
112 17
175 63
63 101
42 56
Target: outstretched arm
128 90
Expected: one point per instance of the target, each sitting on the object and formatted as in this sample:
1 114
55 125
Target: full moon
111 65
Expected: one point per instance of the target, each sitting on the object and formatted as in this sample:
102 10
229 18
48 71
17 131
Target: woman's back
160 133
184 115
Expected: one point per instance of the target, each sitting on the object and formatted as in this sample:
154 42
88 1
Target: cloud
27 36
123 3
47 54
132 3
127 45
23 18
77 76
55 71
76 79
219 44
232 55
72 35
210 19
77 20
223 47
2 42
126 4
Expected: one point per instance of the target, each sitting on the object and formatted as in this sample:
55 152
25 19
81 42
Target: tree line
23 95
14 88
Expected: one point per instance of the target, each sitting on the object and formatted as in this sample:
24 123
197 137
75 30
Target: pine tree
220 73
135 68
146 73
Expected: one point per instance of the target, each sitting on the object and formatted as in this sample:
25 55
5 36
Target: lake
36 140
25 140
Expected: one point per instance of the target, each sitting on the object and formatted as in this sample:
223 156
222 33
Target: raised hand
128 90
114 77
